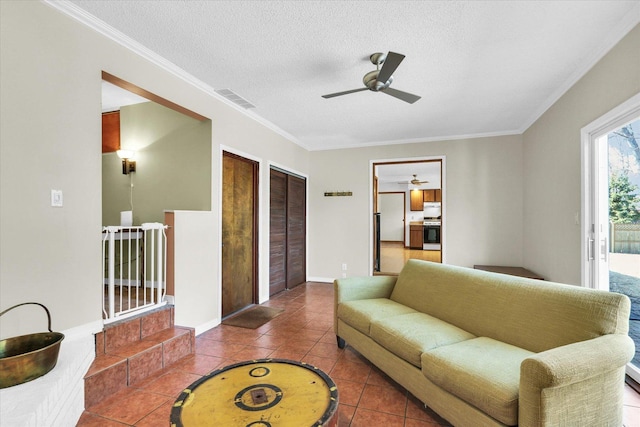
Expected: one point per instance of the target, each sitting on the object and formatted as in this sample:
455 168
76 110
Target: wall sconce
128 164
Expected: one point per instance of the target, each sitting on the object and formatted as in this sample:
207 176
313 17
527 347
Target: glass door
623 255
611 210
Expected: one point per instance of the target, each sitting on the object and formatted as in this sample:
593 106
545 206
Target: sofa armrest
579 381
355 288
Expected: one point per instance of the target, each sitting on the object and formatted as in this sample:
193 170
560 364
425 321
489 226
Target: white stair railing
134 266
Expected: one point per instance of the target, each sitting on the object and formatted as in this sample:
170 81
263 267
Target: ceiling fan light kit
380 79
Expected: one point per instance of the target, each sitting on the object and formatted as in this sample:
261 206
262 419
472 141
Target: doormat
253 317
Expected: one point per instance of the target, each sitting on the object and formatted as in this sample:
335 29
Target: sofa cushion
410 335
481 371
360 313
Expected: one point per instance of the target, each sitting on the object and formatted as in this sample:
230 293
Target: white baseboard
320 279
206 326
57 398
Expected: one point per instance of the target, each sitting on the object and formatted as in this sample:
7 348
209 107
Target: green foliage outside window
624 200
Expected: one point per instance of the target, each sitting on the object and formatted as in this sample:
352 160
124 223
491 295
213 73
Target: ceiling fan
414 181
379 79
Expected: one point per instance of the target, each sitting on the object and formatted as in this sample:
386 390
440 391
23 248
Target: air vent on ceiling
235 98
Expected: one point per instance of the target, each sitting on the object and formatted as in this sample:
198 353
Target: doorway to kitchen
611 210
420 182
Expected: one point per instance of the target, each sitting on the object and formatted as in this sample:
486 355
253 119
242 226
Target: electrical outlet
344 266
56 198
344 275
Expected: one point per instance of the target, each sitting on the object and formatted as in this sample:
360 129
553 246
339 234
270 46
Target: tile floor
303 332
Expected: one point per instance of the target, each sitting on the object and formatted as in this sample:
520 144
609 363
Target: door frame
373 186
591 184
257 216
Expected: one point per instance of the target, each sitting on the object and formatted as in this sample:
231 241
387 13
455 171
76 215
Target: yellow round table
259 393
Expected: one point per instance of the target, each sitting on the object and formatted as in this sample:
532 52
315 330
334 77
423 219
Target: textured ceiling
481 67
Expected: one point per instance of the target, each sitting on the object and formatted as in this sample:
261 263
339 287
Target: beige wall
173 165
552 194
50 133
482 205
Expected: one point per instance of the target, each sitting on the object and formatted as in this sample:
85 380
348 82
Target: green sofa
488 349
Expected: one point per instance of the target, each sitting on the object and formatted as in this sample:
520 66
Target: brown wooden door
287 231
296 231
239 232
277 232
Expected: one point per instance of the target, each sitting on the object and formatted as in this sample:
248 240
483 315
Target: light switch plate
56 198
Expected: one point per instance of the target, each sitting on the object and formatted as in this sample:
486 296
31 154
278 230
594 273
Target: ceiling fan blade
346 92
389 66
405 96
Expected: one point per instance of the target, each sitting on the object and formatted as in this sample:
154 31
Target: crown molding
422 140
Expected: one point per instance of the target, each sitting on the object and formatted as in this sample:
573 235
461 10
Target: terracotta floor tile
347 370
251 353
311 334
329 337
90 420
215 334
269 341
199 364
129 407
351 355
298 345
159 417
283 353
408 422
369 418
324 349
322 363
217 348
345 414
172 383
417 411
377 377
384 399
349 392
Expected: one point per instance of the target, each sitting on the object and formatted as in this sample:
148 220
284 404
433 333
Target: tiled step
134 350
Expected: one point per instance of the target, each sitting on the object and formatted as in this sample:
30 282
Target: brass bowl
27 357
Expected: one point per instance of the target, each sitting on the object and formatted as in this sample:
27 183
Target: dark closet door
296 231
278 232
287 235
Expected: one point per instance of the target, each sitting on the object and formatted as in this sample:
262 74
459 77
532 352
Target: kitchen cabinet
417 200
415 236
432 195
110 132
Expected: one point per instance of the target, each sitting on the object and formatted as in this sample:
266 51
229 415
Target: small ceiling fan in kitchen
414 181
379 79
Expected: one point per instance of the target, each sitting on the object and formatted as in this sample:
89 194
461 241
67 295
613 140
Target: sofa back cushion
531 314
